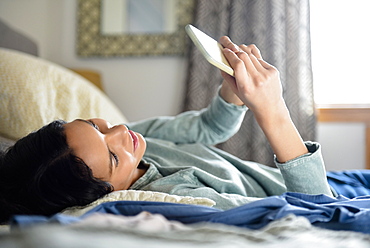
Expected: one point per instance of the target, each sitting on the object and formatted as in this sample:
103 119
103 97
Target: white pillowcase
34 92
139 195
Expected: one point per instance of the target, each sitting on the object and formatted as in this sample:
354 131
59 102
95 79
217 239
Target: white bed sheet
147 230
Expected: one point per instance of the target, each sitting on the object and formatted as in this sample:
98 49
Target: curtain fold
280 28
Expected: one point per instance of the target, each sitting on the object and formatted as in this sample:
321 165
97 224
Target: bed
34 91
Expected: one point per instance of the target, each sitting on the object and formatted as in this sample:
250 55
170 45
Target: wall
140 87
145 87
343 145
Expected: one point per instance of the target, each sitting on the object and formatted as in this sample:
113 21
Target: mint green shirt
184 162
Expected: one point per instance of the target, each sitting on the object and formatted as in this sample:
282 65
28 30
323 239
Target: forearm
212 125
281 133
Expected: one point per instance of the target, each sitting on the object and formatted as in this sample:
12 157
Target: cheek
121 179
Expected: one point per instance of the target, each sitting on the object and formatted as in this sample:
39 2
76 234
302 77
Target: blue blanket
338 213
341 213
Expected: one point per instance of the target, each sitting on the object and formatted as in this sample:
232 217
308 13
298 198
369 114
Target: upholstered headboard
12 39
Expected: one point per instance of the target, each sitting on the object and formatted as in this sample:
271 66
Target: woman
67 164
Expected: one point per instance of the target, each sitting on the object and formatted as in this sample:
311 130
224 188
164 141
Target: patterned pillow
139 195
34 92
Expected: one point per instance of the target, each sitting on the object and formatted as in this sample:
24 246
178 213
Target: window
340 41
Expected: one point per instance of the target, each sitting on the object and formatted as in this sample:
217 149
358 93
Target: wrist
281 133
267 116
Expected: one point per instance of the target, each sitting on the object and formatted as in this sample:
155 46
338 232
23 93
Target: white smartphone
210 49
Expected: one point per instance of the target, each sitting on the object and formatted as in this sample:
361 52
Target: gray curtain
280 28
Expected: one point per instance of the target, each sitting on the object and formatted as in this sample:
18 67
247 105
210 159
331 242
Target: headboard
12 39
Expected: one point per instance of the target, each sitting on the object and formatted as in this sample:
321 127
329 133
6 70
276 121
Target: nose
116 133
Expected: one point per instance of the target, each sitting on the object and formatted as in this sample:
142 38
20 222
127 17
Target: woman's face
113 153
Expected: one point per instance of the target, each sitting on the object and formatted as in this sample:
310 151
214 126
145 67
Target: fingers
243 63
227 43
250 54
251 49
238 60
251 63
255 56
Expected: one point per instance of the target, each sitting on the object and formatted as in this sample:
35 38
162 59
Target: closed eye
94 125
112 156
115 157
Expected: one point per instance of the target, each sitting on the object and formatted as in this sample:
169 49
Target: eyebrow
110 166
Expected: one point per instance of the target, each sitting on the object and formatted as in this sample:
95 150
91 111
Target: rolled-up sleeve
306 174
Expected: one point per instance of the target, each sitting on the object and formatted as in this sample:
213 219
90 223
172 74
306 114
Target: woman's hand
258 86
255 82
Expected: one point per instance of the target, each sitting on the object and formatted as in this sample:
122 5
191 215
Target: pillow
139 195
34 92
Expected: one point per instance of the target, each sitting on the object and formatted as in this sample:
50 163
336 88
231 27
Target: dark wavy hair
40 174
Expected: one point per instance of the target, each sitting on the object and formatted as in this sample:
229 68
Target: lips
134 139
